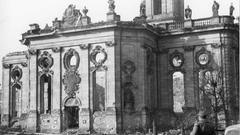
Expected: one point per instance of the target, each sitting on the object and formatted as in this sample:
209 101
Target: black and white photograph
119 67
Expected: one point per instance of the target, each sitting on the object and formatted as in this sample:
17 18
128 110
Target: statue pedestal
141 19
112 16
188 24
86 20
215 20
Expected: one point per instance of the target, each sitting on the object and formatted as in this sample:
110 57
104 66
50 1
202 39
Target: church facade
155 72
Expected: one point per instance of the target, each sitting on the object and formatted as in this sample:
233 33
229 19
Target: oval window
99 57
73 61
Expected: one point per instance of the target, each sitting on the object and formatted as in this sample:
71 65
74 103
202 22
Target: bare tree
212 88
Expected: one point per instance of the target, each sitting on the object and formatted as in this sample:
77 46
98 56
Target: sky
16 15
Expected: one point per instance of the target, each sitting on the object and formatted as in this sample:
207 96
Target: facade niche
178 92
177 61
98 56
129 100
16 75
45 93
99 90
128 96
16 100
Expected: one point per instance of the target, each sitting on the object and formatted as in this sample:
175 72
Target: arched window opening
73 61
45 94
178 92
157 7
99 90
16 100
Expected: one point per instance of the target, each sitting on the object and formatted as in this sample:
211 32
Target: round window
203 59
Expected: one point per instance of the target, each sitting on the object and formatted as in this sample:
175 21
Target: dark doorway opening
72 116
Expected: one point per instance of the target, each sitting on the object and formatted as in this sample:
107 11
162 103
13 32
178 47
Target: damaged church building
112 77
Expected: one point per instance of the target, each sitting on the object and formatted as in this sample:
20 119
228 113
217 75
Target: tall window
45 94
99 90
16 100
178 92
157 7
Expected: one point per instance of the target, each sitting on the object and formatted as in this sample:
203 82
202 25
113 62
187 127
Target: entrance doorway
72 116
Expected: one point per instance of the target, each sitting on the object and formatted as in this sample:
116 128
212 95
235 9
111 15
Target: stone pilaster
84 113
32 119
6 89
56 89
163 80
189 78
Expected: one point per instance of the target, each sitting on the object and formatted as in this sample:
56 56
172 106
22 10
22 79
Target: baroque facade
154 72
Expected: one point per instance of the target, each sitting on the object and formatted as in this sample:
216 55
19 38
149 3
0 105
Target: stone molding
216 45
32 51
45 62
56 49
182 70
188 48
84 46
110 44
24 64
6 65
163 51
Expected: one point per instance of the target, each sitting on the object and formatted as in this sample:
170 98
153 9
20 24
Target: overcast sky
16 15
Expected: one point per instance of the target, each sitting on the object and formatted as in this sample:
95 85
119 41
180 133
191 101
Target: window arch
16 100
45 93
178 91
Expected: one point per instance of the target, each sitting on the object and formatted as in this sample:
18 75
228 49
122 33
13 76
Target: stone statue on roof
231 9
188 12
143 8
71 16
111 5
215 8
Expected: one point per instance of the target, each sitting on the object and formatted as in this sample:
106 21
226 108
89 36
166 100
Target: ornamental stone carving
24 64
231 9
84 46
215 8
203 57
71 81
188 13
69 62
110 44
6 65
45 62
129 67
71 16
56 49
143 8
176 59
98 56
32 51
16 73
111 6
